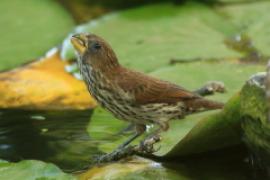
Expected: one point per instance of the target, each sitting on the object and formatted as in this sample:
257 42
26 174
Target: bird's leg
130 127
124 150
127 142
147 145
140 129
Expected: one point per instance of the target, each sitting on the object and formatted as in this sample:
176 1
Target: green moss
255 125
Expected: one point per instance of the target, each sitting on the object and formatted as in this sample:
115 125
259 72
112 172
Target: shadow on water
228 163
59 137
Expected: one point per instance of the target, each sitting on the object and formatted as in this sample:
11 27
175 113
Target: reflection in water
59 137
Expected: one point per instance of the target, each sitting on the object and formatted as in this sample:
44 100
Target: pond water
61 137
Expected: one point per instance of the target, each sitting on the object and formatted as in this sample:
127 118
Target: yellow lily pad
43 84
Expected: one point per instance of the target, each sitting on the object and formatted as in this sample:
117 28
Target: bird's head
94 51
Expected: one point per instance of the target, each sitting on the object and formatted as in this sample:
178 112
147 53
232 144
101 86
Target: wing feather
147 89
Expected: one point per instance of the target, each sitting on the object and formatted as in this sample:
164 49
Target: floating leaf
43 84
29 29
252 19
146 41
209 131
31 170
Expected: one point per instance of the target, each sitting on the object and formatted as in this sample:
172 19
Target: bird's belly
123 107
162 111
143 114
115 103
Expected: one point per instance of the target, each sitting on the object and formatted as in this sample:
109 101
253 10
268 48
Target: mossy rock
255 122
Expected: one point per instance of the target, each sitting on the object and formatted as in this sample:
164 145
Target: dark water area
61 137
229 163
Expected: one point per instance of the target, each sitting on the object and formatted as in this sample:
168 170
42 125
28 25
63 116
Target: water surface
61 137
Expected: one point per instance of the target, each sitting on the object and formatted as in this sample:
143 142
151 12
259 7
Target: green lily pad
209 131
32 170
146 41
252 19
29 29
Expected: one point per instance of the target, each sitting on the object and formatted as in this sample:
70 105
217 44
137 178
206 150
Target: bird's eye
96 46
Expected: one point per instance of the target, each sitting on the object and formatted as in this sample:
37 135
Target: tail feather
202 104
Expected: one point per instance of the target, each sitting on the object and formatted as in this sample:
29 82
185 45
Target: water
61 137
58 137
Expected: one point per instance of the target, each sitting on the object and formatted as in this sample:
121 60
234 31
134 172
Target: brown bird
129 95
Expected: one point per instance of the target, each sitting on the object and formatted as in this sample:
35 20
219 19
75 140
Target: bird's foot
147 146
215 86
211 87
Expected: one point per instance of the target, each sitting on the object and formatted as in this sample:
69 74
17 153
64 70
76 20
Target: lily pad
31 170
146 41
29 29
252 19
43 85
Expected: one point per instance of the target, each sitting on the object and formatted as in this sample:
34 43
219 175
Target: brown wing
151 90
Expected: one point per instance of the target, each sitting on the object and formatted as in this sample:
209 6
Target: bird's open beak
79 42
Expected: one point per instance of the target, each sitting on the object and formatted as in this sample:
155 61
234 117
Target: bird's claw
210 88
147 146
215 86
